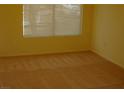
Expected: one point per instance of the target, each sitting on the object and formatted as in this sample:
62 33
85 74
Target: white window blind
51 20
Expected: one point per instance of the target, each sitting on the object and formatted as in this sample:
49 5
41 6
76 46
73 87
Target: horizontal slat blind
67 19
51 20
38 18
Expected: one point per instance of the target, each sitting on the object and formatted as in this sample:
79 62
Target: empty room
62 46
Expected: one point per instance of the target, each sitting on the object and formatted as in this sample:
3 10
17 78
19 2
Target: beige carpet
71 70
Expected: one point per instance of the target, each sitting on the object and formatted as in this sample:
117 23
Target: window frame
37 35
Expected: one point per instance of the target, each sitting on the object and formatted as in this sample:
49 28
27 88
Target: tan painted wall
12 42
108 34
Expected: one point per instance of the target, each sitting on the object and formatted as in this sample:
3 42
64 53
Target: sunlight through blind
51 20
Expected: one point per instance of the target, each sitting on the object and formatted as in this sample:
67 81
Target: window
51 20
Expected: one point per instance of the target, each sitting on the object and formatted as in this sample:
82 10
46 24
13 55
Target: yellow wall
108 34
13 43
